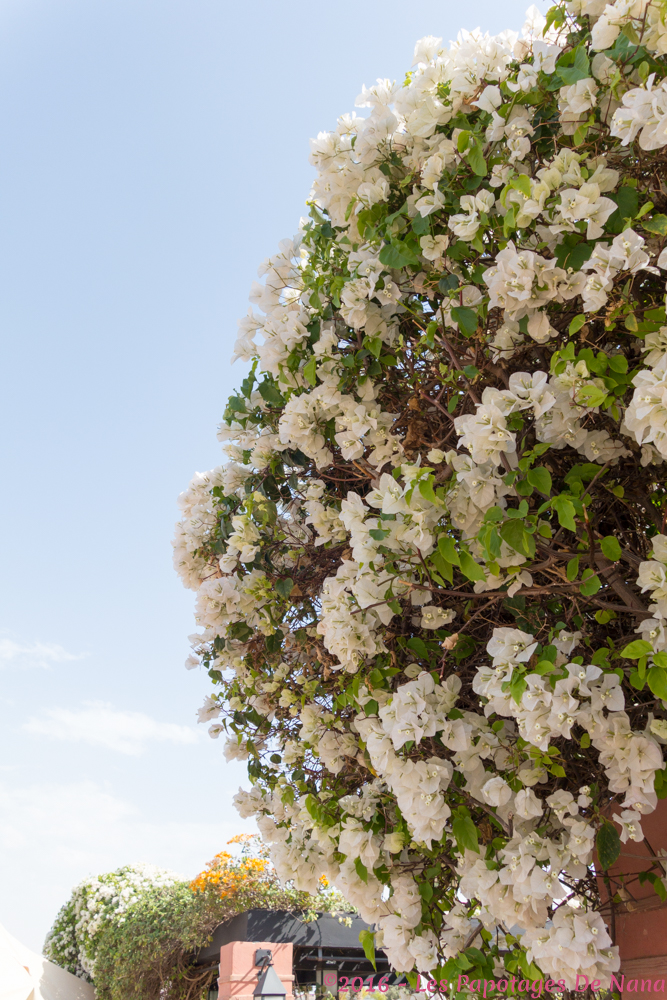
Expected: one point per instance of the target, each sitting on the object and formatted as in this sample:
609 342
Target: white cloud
33 654
99 724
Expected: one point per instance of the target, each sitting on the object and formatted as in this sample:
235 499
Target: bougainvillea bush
134 933
431 577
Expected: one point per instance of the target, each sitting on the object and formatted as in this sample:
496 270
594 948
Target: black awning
284 927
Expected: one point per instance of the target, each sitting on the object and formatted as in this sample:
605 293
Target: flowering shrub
133 932
95 903
420 573
251 881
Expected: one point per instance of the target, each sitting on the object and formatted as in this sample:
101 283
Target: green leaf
448 283
590 585
270 394
630 32
519 511
309 371
397 255
660 784
555 15
470 568
378 534
374 345
285 587
656 224
636 649
421 225
426 490
565 510
627 200
367 942
509 220
448 550
515 534
618 363
578 68
239 630
494 514
608 844
443 567
540 478
521 183
426 891
463 140
572 570
585 472
585 741
274 642
517 685
236 404
568 255
637 680
657 681
465 833
656 882
361 869
417 646
475 158
466 319
591 395
576 324
611 548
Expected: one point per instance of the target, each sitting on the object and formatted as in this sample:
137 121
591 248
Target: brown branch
618 586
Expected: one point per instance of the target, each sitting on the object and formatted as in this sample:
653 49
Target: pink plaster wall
238 974
640 923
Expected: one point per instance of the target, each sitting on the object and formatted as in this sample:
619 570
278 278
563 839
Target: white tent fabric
27 976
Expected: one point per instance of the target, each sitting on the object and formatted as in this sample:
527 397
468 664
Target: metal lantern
269 985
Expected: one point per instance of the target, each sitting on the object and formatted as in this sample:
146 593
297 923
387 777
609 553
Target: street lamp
269 986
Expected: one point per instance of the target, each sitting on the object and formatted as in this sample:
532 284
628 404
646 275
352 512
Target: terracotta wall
238 973
639 923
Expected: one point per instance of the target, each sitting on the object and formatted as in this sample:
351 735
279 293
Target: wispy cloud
33 654
99 724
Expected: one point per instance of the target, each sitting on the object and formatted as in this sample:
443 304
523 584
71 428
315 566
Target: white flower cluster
485 433
462 301
584 696
534 868
476 490
609 19
652 577
575 940
359 424
644 113
94 903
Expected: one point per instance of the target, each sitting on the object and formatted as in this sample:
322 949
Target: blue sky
153 152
